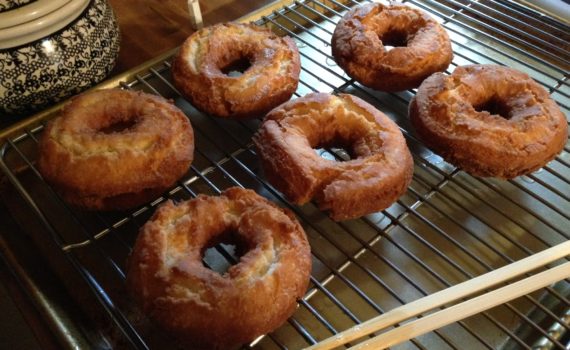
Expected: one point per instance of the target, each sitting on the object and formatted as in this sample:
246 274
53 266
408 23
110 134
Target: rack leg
195 14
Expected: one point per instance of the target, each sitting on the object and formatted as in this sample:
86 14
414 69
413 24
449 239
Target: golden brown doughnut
115 149
166 276
380 169
421 46
489 120
271 79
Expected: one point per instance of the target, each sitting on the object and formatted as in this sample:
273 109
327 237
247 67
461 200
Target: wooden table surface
151 27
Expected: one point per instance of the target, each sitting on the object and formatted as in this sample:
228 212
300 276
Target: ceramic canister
51 50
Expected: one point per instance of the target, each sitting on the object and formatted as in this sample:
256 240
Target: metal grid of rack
448 227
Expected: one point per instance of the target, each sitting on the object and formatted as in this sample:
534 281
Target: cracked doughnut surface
165 273
380 169
489 120
421 46
271 79
115 149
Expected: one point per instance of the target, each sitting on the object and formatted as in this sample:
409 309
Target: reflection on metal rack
448 228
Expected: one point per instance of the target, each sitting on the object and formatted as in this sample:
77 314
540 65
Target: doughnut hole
114 118
392 39
237 67
337 148
346 140
224 251
119 126
395 31
236 60
341 148
495 106
334 154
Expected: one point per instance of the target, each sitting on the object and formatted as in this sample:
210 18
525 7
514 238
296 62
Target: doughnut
420 46
198 70
199 306
489 120
115 149
380 168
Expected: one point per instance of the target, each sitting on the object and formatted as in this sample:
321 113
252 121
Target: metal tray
449 227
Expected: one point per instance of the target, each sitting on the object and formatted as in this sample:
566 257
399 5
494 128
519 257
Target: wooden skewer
465 309
445 296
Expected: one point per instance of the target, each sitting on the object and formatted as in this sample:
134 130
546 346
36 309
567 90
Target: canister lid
7 5
15 12
36 20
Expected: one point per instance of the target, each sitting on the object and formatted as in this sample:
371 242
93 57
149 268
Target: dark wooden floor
151 27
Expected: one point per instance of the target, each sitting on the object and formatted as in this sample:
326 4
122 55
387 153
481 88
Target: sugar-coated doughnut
204 308
115 149
489 120
273 75
380 169
421 46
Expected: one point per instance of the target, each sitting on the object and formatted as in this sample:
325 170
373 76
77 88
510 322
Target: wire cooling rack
448 228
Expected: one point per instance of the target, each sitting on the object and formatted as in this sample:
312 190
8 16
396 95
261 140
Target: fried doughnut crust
166 276
422 46
96 166
270 80
523 130
380 169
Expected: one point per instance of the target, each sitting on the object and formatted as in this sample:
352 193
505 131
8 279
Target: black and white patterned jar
62 48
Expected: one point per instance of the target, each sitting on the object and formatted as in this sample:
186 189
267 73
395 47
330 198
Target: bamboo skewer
446 296
465 309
